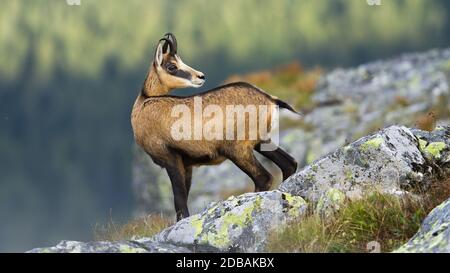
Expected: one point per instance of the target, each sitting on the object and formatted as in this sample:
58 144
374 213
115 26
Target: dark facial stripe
182 74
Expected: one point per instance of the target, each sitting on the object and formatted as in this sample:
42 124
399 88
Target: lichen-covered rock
372 160
434 235
350 103
238 224
138 246
392 160
435 147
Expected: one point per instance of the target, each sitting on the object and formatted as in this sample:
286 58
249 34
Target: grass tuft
145 226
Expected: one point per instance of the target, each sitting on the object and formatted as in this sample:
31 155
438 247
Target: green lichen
336 196
231 219
332 199
373 143
46 250
422 144
197 223
128 249
434 149
295 203
213 208
348 174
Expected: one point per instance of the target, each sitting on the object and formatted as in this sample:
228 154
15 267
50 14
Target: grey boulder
137 246
434 235
238 224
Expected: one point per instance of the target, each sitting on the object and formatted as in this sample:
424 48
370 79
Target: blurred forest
69 76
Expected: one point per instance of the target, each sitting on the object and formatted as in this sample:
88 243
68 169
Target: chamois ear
159 53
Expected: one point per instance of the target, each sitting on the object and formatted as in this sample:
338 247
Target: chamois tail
285 105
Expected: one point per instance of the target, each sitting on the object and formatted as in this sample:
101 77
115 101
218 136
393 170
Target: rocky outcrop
411 90
393 160
239 224
434 235
137 246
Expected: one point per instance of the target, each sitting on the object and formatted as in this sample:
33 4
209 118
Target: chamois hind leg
282 159
177 174
247 162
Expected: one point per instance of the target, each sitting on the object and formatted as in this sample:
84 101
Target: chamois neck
153 85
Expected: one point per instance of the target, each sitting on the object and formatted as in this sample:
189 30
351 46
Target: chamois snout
199 79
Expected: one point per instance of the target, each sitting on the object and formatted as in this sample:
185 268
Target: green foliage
82 40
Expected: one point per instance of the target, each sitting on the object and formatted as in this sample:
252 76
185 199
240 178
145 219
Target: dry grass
386 219
426 122
291 82
145 226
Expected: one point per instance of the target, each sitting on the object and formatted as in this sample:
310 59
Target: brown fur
151 121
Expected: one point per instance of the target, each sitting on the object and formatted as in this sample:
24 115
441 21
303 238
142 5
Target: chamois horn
174 46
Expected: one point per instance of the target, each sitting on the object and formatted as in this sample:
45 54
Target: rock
350 103
238 224
330 202
138 246
435 148
393 160
434 235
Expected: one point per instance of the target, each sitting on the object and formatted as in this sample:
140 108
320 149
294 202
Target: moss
373 143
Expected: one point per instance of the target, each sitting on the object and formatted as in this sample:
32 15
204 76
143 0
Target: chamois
152 118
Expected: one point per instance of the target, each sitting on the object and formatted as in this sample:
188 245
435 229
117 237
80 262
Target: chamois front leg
188 179
177 174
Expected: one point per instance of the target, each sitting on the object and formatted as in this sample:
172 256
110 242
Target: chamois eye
171 68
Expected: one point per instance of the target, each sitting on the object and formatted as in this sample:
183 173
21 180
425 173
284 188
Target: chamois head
171 70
